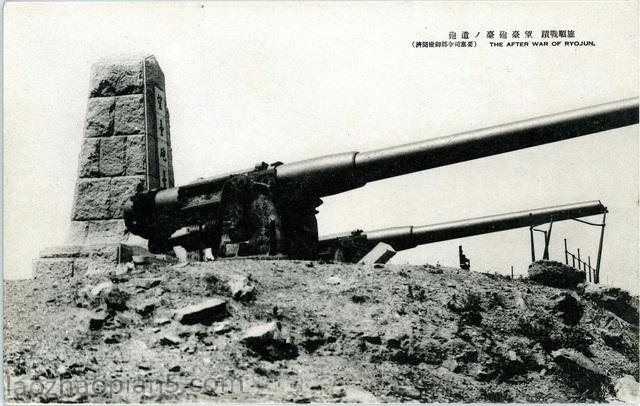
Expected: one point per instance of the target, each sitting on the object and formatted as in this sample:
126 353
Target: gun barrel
338 173
401 238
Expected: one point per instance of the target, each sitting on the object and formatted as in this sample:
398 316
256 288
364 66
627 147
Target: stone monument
126 148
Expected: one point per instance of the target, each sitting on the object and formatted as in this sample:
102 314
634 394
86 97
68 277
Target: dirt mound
292 331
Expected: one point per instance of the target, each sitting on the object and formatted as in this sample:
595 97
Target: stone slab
380 254
114 252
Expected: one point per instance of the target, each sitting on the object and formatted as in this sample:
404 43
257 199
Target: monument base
70 261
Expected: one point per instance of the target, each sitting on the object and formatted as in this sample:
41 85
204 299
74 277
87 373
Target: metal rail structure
351 247
270 210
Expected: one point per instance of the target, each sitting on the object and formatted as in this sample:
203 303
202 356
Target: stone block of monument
126 147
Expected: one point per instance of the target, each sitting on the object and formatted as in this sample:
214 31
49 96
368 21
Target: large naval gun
351 247
270 209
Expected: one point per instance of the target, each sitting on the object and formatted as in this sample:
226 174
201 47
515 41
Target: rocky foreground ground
293 331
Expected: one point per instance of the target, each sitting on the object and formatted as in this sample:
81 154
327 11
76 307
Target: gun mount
270 209
351 247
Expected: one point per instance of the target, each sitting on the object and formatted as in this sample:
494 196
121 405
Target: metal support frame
533 249
596 276
547 240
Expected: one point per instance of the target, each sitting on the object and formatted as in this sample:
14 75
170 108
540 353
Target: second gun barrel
401 238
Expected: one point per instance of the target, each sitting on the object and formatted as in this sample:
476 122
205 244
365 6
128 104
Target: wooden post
566 255
511 271
579 259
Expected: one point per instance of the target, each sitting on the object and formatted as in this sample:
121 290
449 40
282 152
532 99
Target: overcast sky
250 82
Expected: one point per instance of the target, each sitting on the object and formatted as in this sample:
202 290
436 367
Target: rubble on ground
290 332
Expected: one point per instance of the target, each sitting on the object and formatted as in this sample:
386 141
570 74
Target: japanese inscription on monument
162 145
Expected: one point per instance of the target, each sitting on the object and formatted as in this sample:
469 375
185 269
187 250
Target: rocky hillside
292 331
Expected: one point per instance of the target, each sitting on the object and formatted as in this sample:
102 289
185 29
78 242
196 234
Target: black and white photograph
320 202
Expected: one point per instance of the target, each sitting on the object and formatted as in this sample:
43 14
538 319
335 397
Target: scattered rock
146 283
208 341
353 394
160 321
206 312
372 339
117 300
555 274
189 349
223 327
270 341
337 392
450 364
481 373
242 289
467 356
146 307
102 289
333 280
468 306
617 301
406 391
520 301
97 320
568 307
102 293
122 320
627 390
122 270
113 338
581 371
169 339
612 339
